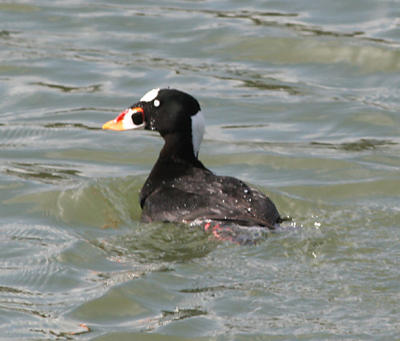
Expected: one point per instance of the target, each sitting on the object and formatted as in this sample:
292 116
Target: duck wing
204 196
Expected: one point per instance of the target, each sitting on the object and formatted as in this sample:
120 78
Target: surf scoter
180 188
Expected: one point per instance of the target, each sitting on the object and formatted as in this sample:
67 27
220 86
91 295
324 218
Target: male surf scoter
179 188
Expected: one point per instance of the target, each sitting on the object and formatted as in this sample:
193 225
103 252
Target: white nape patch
149 96
198 127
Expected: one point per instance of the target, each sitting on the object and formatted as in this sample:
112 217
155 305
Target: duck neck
178 148
175 160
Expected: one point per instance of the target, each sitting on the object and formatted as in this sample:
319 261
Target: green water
301 100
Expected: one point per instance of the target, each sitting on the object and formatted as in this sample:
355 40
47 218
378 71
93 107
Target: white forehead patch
198 127
149 96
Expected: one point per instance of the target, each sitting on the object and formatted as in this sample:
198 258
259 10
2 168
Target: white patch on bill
128 123
150 96
198 126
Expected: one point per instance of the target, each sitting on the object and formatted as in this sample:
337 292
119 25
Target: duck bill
113 125
132 118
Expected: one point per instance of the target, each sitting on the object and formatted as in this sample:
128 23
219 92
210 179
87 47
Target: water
301 100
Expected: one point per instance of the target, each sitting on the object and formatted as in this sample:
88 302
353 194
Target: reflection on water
161 243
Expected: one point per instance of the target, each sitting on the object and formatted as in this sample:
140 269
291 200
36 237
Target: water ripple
65 88
301 101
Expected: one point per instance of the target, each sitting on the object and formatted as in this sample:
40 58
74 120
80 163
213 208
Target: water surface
301 100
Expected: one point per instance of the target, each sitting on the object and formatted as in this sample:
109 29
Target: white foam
149 96
198 127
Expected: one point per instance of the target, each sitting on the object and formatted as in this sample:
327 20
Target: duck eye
137 118
156 103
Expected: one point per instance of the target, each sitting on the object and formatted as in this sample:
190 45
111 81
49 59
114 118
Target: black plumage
179 187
